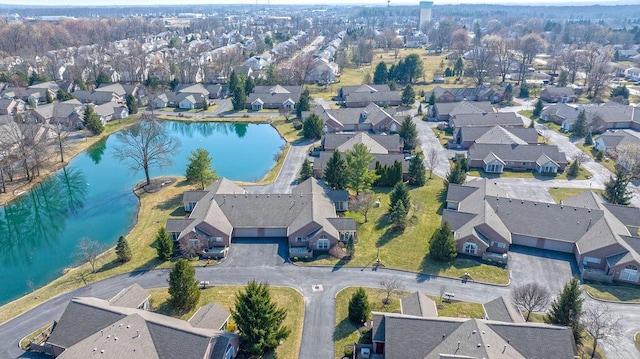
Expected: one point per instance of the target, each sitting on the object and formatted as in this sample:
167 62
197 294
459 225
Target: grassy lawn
555 127
607 162
582 174
225 296
443 136
155 208
409 250
584 351
559 194
286 130
346 333
636 339
614 292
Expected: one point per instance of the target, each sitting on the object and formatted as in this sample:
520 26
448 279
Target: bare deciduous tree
390 286
61 135
88 251
432 159
146 144
600 323
362 204
530 297
482 60
501 48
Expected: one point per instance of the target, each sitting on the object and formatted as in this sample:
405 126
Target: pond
92 197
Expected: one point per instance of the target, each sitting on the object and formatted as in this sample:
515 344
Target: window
229 353
470 248
592 260
301 239
629 273
498 244
323 243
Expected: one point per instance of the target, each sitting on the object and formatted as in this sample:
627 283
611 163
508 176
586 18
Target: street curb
609 301
412 272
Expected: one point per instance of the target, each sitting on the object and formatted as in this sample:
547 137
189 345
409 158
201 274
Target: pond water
92 197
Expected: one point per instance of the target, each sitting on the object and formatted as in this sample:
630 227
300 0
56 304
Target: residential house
559 112
464 137
419 305
386 149
610 141
211 316
306 217
480 93
274 97
505 119
68 113
401 336
558 94
444 111
111 111
95 327
372 118
122 90
362 96
322 72
602 237
517 156
11 106
32 96
133 296
633 74
608 116
97 97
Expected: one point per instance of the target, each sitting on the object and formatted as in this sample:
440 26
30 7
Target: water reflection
96 151
206 129
36 220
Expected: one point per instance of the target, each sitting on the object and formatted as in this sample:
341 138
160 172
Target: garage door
552 245
524 241
245 232
275 232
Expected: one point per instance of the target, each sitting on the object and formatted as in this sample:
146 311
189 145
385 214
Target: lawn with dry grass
560 194
409 249
284 297
617 292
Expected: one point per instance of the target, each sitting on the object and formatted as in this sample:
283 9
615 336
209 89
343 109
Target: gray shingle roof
464 107
476 133
419 305
501 309
516 153
391 143
130 297
487 119
210 316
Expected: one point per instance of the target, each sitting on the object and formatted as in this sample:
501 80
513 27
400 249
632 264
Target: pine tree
92 121
457 174
132 104
63 95
400 193
234 81
588 140
49 97
458 68
183 288
359 177
566 309
205 105
199 168
304 103
580 126
409 133
359 308
249 85
420 109
417 175
312 127
574 169
442 246
164 244
238 99
259 320
537 110
335 172
122 250
398 215
408 95
306 171
615 190
432 98
351 247
381 74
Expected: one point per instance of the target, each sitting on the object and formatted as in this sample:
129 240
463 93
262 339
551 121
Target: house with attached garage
445 111
274 97
91 327
372 118
465 137
611 141
517 156
602 236
510 119
307 217
558 94
362 96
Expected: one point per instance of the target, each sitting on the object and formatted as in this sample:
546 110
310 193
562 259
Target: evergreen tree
524 90
359 308
400 193
199 168
304 104
205 105
239 99
306 171
458 68
249 85
132 104
409 133
442 246
234 81
621 91
563 79
48 96
615 190
432 98
413 67
580 127
102 79
335 172
420 109
351 246
574 169
174 83
588 141
566 309
183 288
398 215
508 93
457 174
164 244
417 175
92 120
381 75
359 177
123 251
312 127
537 110
63 95
408 95
259 320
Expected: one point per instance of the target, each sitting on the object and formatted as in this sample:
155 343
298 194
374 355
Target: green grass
225 296
617 292
346 333
583 173
560 194
636 339
607 162
408 250
443 136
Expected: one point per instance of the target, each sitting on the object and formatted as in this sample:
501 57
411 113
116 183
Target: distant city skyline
297 2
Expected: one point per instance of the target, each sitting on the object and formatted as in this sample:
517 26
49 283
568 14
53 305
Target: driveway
257 252
428 143
549 268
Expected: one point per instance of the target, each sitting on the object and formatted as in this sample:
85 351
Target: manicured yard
636 339
582 174
346 333
607 162
559 194
225 296
409 250
584 351
614 292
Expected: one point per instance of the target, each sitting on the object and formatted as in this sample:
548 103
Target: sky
295 2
